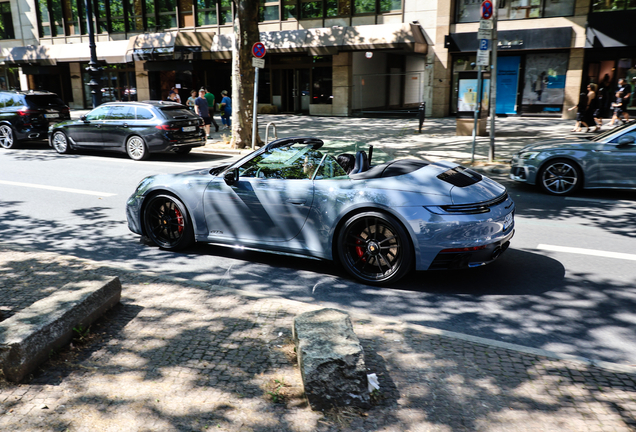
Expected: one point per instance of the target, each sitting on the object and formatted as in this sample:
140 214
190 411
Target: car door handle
125 125
98 126
297 201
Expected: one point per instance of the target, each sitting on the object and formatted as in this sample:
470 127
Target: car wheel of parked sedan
560 177
60 142
183 150
374 248
167 223
6 137
136 148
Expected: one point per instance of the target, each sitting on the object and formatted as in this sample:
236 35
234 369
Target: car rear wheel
167 223
7 139
560 177
374 248
136 148
60 142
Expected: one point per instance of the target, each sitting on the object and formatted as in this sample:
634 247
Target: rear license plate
189 128
508 221
51 116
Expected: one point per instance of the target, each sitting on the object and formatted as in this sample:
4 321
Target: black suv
27 115
135 128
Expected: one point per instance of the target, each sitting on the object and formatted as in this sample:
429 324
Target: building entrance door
293 90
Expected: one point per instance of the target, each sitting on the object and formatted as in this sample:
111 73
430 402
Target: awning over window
173 45
110 52
332 40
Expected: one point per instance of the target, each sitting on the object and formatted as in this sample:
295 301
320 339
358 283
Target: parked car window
120 112
42 101
179 113
144 114
14 101
130 114
98 113
3 98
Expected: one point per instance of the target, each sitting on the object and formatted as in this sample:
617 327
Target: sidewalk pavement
182 355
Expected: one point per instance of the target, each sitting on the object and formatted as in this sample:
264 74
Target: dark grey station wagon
136 128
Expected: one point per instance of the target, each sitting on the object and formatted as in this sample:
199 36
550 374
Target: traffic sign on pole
258 50
486 9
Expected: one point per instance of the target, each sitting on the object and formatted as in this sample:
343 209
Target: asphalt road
567 283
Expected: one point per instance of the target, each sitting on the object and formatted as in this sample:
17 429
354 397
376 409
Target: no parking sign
486 9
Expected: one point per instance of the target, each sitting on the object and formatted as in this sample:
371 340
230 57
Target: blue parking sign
483 44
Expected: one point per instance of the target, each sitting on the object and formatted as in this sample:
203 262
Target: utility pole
493 81
93 68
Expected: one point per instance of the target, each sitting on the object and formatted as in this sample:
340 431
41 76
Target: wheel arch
156 192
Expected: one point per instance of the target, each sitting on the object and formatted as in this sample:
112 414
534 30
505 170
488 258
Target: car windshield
178 113
622 128
292 163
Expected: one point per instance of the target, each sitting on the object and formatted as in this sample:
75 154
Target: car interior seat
361 164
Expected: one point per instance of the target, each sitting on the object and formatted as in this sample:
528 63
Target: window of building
268 10
6 21
72 11
364 6
206 12
469 10
167 13
44 20
613 5
117 21
55 9
186 17
101 16
225 12
310 9
338 8
290 9
135 15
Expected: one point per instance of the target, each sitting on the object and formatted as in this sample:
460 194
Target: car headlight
528 155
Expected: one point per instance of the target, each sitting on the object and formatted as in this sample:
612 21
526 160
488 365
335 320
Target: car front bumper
522 171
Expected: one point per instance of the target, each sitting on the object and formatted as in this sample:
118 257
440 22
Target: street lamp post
93 68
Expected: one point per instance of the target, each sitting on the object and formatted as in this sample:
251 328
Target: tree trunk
246 34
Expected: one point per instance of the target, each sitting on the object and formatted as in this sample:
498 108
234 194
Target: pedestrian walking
226 109
591 111
201 108
581 107
191 99
209 97
617 105
626 89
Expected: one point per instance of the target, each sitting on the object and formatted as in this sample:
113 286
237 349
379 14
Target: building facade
325 57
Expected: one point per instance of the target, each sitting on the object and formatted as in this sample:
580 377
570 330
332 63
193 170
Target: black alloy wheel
560 177
167 223
7 139
374 248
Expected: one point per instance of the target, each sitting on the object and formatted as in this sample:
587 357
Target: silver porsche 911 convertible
294 197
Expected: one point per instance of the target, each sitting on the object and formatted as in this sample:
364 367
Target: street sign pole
477 111
493 81
258 51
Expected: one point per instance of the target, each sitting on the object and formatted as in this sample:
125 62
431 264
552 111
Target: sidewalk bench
27 338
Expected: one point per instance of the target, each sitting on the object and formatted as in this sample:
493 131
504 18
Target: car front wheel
167 223
60 142
136 148
560 177
374 248
6 137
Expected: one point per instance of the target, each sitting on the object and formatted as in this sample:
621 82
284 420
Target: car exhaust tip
496 253
34 135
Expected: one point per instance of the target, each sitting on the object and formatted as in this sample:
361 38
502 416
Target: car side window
3 99
290 163
117 113
13 101
631 133
130 114
144 114
98 113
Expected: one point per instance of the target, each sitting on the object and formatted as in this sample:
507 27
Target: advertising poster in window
544 81
467 94
507 84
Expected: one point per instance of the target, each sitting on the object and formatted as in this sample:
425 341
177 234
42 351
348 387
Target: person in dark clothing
580 113
591 112
627 92
201 108
617 105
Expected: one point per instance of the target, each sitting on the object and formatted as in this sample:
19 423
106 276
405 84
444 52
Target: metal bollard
421 114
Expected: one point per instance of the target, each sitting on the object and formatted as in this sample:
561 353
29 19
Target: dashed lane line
592 252
58 189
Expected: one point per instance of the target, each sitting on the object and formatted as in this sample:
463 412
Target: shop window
390 6
364 6
469 10
613 5
290 9
268 11
101 16
322 85
206 12
337 8
225 12
117 21
310 9
167 13
9 78
6 22
135 15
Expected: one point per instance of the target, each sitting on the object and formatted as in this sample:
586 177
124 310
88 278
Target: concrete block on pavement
27 338
331 360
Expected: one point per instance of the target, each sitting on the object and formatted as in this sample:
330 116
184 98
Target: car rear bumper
466 259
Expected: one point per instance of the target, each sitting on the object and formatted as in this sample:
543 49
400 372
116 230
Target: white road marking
592 252
601 200
58 189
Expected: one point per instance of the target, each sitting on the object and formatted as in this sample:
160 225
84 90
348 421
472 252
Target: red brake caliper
359 249
179 216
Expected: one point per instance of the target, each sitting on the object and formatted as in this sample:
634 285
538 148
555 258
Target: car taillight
27 112
166 127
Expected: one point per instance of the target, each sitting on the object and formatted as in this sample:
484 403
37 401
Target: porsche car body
290 197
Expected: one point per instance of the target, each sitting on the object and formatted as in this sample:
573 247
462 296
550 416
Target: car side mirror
626 140
231 177
83 118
